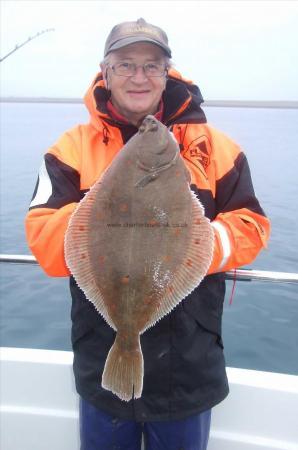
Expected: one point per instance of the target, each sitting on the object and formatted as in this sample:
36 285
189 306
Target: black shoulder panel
235 189
61 187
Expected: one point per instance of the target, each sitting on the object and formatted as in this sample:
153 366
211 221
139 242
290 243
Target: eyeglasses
125 69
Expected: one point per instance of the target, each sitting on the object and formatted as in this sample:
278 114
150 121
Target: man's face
137 95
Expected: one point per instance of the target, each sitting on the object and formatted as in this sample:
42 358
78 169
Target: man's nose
140 75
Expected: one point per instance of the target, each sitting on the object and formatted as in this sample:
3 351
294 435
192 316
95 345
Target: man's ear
104 74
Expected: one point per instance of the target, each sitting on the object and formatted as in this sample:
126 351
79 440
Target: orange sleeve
240 224
238 239
55 197
45 230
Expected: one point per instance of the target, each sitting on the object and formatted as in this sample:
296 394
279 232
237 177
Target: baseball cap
126 33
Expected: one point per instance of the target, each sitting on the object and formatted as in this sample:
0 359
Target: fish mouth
150 123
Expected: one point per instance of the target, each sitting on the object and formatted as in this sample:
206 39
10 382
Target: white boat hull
39 406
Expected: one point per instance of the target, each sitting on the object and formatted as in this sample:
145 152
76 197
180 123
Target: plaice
137 244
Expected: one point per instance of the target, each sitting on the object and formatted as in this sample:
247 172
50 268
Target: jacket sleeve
56 195
241 227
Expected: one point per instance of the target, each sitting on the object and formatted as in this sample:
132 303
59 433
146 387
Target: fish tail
124 370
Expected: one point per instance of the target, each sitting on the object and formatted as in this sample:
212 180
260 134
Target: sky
233 50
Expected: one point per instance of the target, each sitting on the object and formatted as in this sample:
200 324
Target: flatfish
137 244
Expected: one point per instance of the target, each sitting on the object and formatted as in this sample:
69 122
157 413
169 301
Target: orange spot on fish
83 256
197 221
113 306
177 231
123 207
82 228
197 241
189 262
166 258
125 280
170 289
152 222
177 174
101 259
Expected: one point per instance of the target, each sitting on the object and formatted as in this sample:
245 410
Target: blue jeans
101 431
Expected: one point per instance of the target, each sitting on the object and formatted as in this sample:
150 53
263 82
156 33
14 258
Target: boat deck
39 406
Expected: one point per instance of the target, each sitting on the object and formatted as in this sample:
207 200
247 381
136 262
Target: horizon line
288 104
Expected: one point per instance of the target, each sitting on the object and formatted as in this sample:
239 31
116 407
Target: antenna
17 47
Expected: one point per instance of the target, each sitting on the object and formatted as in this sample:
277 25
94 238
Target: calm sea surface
260 327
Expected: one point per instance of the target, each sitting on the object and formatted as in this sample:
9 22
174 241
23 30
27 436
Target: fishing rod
238 274
17 47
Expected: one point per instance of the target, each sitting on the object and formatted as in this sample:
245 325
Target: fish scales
133 246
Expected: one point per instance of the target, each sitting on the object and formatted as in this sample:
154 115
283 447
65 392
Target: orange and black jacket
190 376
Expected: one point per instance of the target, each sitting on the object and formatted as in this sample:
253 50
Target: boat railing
236 274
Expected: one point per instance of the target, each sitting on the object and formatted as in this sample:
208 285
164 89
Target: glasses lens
154 69
124 69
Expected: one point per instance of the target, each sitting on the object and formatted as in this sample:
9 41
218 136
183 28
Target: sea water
259 328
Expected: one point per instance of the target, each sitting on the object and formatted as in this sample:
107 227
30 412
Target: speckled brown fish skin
137 245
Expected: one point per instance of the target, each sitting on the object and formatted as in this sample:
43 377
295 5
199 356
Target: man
185 368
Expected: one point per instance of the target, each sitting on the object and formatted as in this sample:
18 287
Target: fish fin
124 370
76 248
196 263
